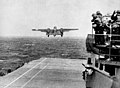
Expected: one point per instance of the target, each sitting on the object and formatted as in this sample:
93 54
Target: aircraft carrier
46 73
103 67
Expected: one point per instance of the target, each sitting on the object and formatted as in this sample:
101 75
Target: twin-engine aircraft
54 31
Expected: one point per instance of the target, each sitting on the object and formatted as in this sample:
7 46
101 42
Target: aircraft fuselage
54 33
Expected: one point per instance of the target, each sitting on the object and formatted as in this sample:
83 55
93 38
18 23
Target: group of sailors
108 24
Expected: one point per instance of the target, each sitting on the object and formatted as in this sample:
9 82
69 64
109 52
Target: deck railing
104 44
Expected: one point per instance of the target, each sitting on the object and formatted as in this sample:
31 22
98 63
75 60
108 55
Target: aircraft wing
68 29
42 30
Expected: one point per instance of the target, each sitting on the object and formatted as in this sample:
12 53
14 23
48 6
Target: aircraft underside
54 34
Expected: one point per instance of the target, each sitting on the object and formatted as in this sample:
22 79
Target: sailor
116 16
116 25
116 22
94 26
94 17
97 26
106 22
99 14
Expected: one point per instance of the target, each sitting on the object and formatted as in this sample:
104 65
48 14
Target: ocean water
73 48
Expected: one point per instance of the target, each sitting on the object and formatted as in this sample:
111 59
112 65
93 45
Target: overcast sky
18 17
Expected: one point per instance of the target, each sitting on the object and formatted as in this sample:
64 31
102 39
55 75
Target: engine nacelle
61 31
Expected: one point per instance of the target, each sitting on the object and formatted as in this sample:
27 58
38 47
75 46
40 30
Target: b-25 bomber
54 31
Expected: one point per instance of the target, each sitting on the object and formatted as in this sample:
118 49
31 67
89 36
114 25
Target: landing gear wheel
61 35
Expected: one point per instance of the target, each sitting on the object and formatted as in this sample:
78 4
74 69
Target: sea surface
73 48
